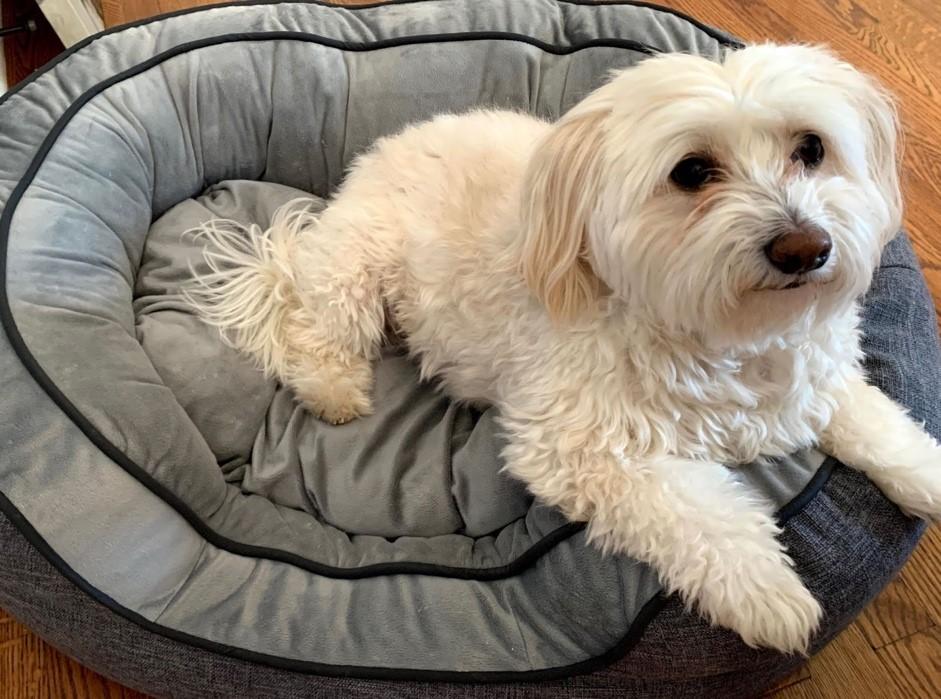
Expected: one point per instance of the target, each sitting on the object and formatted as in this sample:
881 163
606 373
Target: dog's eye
694 172
809 151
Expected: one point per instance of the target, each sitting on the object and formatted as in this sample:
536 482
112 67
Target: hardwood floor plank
801 675
923 574
10 631
115 12
19 666
26 51
915 664
801 690
848 667
32 669
896 613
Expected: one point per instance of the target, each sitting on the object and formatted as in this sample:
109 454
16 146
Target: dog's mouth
799 283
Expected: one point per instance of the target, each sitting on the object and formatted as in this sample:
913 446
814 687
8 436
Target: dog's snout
801 249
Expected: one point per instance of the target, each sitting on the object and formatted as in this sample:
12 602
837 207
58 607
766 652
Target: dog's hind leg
338 268
304 298
330 368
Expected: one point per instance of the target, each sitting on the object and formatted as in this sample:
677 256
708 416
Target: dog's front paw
872 434
913 481
766 604
917 491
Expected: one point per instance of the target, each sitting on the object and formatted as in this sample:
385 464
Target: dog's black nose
802 249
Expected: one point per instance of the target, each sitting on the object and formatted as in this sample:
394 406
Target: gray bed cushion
164 470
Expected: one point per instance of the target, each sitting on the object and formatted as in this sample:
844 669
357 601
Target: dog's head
726 200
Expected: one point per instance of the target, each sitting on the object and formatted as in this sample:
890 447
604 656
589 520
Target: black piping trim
803 498
705 28
514 567
634 633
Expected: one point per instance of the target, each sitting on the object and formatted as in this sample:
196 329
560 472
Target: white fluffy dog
662 282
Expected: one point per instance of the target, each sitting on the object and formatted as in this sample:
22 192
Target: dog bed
173 519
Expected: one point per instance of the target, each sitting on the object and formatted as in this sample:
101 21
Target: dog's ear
878 109
560 189
880 121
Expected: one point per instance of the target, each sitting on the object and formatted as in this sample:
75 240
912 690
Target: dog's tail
249 290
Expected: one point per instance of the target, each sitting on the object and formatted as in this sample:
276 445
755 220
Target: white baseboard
73 20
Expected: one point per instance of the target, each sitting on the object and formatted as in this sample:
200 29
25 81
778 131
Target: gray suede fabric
169 478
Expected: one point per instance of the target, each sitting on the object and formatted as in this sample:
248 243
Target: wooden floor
894 649
24 52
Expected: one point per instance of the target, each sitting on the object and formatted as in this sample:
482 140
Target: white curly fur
632 334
